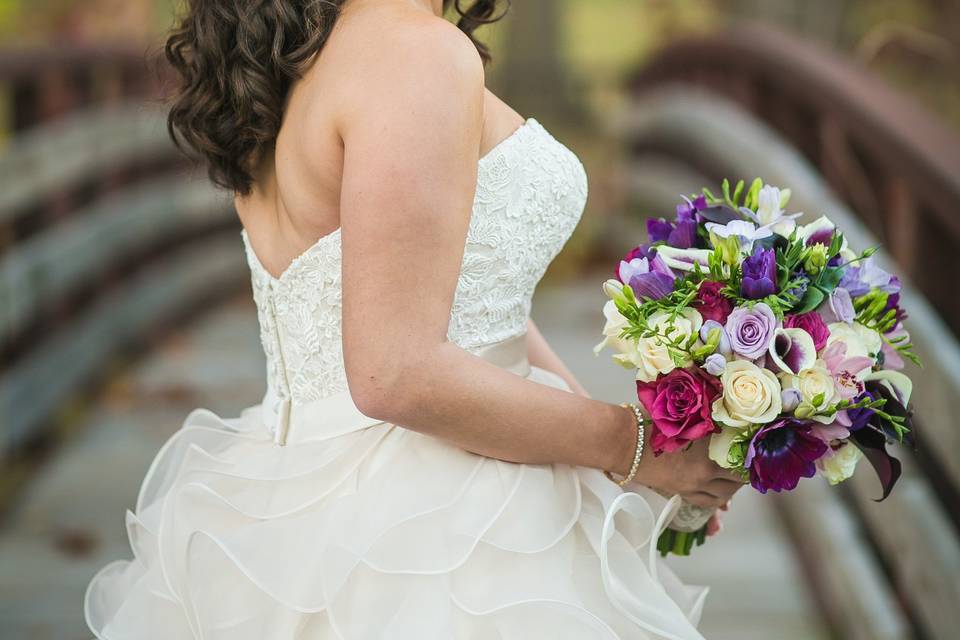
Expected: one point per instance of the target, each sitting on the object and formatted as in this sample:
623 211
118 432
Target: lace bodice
531 190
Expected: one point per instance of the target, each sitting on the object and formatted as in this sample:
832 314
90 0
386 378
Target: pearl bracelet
638 451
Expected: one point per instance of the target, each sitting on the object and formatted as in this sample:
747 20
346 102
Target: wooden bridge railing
105 236
896 166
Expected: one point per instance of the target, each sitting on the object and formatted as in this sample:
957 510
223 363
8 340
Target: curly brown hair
235 62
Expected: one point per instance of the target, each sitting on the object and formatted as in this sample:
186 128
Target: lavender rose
751 330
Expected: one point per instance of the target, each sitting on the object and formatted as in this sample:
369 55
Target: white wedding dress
304 519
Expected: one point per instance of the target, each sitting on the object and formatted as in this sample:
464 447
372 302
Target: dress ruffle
383 533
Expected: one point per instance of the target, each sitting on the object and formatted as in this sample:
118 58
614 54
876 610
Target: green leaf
810 301
829 278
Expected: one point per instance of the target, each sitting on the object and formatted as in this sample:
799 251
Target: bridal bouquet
772 339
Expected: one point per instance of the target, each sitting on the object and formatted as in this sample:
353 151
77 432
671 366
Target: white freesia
839 464
813 382
770 213
751 395
744 230
652 355
683 259
626 348
860 340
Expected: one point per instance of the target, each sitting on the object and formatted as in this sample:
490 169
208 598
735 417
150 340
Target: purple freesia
838 307
751 330
684 236
658 229
860 417
682 233
759 274
649 277
687 210
781 453
860 280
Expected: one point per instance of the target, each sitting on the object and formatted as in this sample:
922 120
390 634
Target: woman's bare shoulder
382 47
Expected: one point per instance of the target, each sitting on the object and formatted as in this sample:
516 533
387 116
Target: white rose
860 340
811 383
839 464
652 356
751 395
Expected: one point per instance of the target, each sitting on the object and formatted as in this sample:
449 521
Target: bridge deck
70 520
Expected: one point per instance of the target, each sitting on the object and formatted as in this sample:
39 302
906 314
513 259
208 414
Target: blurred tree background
571 55
565 61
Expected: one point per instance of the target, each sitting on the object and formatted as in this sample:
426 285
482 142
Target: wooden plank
37 272
78 147
847 579
32 391
920 545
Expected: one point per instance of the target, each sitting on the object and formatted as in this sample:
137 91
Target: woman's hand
689 473
714 524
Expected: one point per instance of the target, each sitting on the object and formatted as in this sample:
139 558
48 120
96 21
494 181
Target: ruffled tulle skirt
383 533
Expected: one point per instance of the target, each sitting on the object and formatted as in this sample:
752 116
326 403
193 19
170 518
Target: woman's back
296 196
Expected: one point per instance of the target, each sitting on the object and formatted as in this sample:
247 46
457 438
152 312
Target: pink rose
812 323
680 405
710 303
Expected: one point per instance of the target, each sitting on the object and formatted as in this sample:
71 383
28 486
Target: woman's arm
541 354
411 126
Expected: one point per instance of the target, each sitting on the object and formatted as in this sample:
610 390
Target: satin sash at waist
337 415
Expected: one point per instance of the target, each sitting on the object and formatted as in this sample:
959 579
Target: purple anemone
781 453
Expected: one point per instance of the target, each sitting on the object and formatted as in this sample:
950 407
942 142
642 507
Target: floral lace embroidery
531 191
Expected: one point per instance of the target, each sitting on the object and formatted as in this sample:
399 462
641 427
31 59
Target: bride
422 465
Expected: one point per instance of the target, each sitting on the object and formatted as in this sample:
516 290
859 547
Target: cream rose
751 395
652 356
813 382
838 465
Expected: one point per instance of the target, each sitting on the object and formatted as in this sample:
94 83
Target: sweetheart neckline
275 280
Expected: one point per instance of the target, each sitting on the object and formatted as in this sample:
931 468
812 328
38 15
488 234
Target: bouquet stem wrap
688 528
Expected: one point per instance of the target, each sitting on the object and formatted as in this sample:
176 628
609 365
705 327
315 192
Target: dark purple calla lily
781 453
792 350
759 274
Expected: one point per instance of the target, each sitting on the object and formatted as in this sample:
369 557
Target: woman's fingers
704 499
714 524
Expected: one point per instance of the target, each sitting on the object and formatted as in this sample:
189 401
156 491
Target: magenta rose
711 304
812 323
679 404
